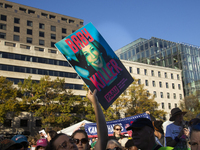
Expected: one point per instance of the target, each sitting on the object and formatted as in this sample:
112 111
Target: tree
86 110
191 104
8 99
49 100
141 101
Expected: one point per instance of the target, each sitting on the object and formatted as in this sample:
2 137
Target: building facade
30 25
169 54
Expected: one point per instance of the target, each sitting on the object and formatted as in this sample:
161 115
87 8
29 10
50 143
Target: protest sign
96 63
91 128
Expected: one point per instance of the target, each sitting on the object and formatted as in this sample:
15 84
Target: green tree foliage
191 105
49 100
141 101
8 99
86 110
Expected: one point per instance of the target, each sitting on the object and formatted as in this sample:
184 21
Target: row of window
22 123
169 105
153 73
67 85
168 95
30 24
38 71
160 84
28 39
34 59
42 14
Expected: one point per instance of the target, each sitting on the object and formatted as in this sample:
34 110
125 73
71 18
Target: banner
96 63
91 128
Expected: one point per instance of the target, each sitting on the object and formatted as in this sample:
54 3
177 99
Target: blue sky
123 21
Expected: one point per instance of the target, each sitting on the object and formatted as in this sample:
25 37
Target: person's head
113 145
117 130
8 144
41 144
61 142
50 135
142 133
194 137
33 141
93 139
93 56
177 115
157 124
22 140
81 139
130 145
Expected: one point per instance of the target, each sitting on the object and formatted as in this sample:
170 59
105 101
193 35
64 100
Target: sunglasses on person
83 141
118 129
115 148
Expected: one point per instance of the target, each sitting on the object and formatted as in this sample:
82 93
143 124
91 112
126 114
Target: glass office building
165 53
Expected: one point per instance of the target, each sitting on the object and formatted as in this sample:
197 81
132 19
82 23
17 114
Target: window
41 42
163 105
160 84
31 11
154 93
167 85
15 37
29 40
41 25
2 35
168 95
53 36
2 26
154 83
173 87
138 70
38 123
7 123
8 6
53 28
22 9
175 105
16 20
139 81
180 95
174 95
130 69
172 76
169 105
145 71
165 74
3 17
178 77
161 94
29 31
159 75
146 83
52 44
152 72
29 23
71 21
179 86
23 122
41 34
64 30
16 29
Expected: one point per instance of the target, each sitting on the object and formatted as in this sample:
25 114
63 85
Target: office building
169 54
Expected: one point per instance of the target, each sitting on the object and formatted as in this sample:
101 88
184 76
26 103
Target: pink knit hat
41 142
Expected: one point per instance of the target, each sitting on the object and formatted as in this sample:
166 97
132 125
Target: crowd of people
147 134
